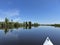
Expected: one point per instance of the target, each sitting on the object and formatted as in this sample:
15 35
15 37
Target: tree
30 23
6 23
36 24
6 20
16 25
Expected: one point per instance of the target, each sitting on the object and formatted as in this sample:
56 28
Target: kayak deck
47 42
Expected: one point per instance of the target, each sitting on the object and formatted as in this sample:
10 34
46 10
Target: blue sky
41 11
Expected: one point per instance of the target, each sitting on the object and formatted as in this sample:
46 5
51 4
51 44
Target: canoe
48 42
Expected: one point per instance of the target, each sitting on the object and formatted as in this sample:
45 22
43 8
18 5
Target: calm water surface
33 36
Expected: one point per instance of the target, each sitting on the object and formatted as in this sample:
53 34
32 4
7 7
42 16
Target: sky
41 11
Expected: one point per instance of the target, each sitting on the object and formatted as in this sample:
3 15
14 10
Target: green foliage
56 25
30 23
16 24
36 24
6 20
10 24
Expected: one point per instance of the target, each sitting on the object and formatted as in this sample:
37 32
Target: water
33 36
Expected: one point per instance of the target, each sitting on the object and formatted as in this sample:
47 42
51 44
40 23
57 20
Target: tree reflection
10 25
27 27
6 30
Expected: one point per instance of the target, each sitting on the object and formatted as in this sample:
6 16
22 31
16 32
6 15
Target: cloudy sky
41 11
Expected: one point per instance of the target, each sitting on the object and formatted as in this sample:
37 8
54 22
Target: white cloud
1 19
11 14
18 19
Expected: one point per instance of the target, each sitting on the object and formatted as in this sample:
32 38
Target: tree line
12 24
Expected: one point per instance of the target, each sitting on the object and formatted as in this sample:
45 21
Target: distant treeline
56 25
11 24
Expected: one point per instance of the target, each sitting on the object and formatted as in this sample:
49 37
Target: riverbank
12 24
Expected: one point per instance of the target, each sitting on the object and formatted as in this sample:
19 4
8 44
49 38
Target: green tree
16 25
6 23
30 23
6 20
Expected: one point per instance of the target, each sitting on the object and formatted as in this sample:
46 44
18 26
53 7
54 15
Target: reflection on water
11 29
31 36
26 27
6 30
56 26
